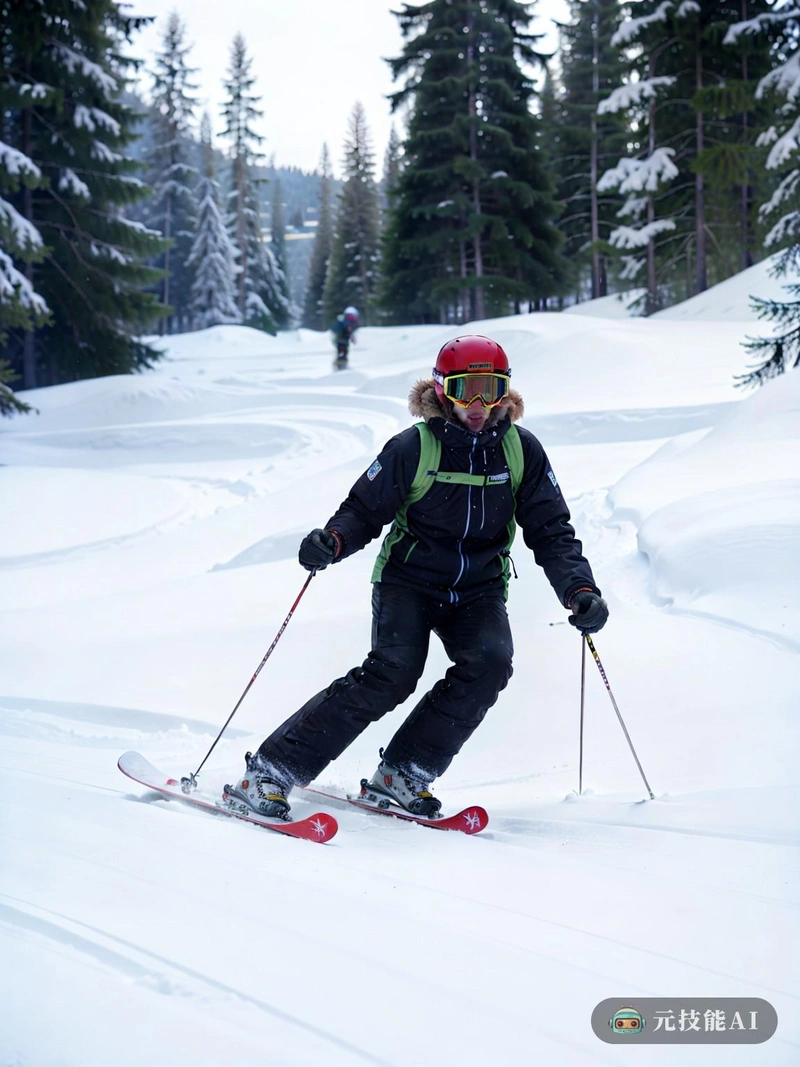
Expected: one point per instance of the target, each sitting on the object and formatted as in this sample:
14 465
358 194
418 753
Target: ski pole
190 783
583 693
593 650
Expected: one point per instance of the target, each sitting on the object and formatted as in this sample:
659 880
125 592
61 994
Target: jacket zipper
464 561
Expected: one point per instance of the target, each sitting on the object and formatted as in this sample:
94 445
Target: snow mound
222 342
125 399
615 306
754 443
731 554
719 515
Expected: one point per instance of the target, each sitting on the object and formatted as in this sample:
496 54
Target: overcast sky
312 60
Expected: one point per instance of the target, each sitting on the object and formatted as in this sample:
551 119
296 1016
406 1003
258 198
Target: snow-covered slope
616 306
731 299
149 560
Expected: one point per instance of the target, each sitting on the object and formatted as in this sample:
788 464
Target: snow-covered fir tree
781 350
260 285
172 176
285 312
582 144
20 246
352 276
641 177
9 403
20 241
213 256
693 95
313 311
711 140
64 72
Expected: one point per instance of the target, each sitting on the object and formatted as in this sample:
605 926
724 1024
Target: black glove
589 611
318 549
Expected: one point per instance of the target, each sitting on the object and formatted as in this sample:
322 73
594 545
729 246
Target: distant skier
452 487
344 330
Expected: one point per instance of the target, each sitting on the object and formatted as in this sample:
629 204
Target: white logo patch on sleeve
374 471
552 478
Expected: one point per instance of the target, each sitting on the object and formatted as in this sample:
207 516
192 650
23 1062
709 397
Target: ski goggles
464 389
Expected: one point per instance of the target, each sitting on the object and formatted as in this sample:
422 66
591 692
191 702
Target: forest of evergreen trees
656 150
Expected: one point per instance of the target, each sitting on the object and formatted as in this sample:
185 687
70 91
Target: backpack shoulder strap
430 456
512 447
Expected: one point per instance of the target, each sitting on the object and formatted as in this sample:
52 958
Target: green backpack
430 456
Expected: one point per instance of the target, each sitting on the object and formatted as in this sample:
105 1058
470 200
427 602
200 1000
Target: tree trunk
28 349
163 325
241 234
651 300
477 245
597 285
699 183
747 258
464 298
480 296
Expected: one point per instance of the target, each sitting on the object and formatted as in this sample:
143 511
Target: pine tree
352 274
676 55
742 166
643 177
20 304
172 177
314 314
392 167
63 75
285 312
260 297
584 144
731 162
21 244
781 87
10 404
714 149
472 231
213 256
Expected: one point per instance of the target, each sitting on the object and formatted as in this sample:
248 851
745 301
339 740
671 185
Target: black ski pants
477 639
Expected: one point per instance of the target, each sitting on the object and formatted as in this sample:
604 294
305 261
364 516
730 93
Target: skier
452 487
343 330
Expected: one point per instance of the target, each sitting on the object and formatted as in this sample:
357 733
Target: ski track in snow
391 944
156 975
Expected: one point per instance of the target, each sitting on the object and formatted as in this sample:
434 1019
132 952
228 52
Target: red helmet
470 354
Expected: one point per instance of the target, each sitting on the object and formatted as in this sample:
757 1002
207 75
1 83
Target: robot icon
627 1021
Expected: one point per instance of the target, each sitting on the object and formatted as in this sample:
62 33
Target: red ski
469 821
319 827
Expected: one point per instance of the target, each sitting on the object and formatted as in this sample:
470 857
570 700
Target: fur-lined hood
424 403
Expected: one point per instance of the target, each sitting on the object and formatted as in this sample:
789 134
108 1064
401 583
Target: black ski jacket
458 534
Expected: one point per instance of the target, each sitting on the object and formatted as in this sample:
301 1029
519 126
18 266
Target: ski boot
257 792
340 363
411 792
